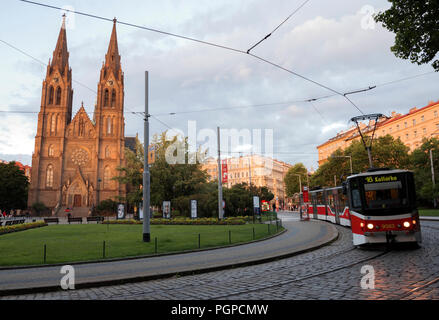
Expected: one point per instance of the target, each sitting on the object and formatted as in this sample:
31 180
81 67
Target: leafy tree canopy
416 28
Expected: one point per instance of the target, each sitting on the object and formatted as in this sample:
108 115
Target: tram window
385 195
356 199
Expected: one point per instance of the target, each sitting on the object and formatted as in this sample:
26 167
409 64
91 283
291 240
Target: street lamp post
300 193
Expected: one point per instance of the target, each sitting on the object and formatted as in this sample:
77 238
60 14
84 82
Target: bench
97 219
51 220
13 222
79 219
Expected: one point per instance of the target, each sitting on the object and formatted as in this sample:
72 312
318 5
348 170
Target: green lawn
70 243
429 212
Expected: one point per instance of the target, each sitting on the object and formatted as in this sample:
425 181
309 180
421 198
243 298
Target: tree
292 178
421 166
13 187
386 153
416 26
169 180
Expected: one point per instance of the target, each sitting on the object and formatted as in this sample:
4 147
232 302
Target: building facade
76 158
410 128
255 169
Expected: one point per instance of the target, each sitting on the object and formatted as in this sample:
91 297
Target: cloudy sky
334 43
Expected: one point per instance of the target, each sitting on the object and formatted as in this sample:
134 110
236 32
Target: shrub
22 227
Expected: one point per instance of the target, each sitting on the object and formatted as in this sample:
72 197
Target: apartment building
410 128
255 169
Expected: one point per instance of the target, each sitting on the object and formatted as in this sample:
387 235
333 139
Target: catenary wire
275 29
196 40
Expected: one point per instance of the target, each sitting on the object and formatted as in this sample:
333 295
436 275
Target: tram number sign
380 179
388 226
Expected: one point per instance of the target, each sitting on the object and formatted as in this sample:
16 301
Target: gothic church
75 159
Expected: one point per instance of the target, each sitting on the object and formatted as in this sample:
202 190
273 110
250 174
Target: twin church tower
75 160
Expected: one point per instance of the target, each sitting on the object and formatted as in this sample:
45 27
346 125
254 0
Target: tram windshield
383 193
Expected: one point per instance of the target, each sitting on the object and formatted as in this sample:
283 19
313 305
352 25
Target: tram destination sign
380 179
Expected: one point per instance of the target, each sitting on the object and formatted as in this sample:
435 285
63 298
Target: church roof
61 54
112 58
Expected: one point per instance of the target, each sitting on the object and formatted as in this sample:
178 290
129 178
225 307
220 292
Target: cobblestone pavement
332 272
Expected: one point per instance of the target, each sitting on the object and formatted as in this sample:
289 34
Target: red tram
379 206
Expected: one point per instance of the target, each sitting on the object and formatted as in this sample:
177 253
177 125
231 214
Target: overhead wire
275 29
195 40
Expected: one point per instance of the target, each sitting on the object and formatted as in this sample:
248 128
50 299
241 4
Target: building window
51 92
58 96
415 134
406 136
424 130
106 98
49 176
113 98
405 124
53 123
397 127
435 114
414 122
51 151
422 118
109 125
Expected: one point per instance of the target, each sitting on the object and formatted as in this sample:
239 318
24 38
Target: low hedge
22 227
185 221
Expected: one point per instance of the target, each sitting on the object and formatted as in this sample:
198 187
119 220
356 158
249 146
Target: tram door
314 204
337 205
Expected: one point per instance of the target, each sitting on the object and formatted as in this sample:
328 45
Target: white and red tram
379 206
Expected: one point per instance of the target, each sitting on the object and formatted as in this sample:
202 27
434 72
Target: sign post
193 209
167 209
256 208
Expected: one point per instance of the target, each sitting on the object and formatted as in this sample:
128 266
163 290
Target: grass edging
172 274
21 227
141 256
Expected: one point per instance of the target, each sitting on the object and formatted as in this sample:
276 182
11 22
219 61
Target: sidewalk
299 237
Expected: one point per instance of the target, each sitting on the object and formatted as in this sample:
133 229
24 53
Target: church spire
61 55
112 58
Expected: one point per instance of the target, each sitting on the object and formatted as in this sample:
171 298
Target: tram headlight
406 224
370 226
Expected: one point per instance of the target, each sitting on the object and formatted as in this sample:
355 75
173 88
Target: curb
427 218
9 292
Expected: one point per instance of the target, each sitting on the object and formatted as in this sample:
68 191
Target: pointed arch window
49 176
58 96
106 98
113 98
53 123
51 93
109 126
51 152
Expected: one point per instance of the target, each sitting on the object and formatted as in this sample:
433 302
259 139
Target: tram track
375 255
